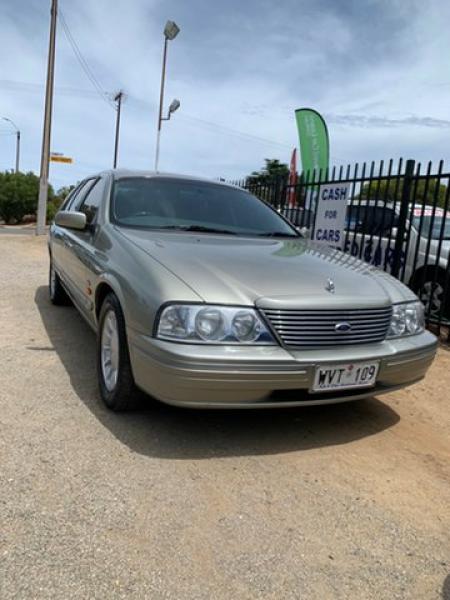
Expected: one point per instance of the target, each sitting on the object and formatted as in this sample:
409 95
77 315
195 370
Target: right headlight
407 319
212 324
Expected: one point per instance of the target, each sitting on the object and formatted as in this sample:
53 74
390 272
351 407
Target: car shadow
446 589
167 432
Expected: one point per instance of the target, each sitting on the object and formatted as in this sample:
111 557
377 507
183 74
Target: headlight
407 319
212 324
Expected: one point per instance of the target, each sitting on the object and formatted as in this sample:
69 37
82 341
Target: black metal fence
398 219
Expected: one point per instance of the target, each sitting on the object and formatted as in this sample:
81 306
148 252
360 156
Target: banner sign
314 141
331 212
292 181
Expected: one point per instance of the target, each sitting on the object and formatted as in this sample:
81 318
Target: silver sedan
203 296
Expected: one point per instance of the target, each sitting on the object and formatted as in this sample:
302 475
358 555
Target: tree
273 170
391 190
269 183
19 195
53 204
63 192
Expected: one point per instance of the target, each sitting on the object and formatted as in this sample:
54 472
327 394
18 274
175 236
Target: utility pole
45 156
118 99
17 150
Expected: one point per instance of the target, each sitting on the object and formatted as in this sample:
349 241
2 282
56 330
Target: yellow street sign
61 158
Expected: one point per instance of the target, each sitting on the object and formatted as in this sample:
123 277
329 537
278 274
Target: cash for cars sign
330 214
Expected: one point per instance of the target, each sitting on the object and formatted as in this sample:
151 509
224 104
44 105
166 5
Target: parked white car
372 233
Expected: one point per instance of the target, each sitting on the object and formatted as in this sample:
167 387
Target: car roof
381 203
127 173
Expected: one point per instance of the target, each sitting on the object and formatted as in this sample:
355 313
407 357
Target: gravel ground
347 501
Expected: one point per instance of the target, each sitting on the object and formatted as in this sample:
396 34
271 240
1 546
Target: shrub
52 208
19 195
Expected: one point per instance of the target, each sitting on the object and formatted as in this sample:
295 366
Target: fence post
405 199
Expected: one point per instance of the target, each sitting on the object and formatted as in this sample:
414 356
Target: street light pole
118 99
171 30
161 102
17 141
45 155
17 150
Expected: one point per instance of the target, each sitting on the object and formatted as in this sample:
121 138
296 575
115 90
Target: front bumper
199 376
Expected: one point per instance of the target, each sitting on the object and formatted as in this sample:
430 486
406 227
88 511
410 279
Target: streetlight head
174 105
171 30
10 121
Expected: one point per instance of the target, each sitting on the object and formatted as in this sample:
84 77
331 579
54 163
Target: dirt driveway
350 501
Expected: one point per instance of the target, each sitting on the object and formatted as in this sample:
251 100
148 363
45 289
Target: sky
378 70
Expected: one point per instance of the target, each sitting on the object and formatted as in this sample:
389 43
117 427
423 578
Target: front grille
317 328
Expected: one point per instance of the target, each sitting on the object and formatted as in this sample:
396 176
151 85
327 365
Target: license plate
345 376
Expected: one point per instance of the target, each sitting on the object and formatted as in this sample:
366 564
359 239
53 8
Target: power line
209 125
215 126
83 63
24 86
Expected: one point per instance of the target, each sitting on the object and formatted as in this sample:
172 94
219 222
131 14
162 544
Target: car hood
268 272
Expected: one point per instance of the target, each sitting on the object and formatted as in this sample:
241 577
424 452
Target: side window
386 219
74 197
79 199
368 222
68 199
371 220
93 200
356 215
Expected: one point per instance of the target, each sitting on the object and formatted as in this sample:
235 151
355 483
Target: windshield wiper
199 228
283 234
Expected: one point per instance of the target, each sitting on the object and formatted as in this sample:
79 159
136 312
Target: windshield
184 205
435 232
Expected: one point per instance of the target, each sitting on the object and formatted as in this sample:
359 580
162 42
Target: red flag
292 178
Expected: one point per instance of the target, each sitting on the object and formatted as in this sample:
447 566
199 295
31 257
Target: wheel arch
416 277
104 287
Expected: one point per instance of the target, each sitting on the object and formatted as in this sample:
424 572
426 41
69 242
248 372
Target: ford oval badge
342 327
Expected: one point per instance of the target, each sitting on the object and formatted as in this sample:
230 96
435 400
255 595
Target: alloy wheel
110 351
431 296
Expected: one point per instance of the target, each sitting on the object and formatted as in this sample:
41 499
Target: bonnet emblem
342 327
330 286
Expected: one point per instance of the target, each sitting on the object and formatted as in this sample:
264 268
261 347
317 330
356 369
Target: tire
115 378
431 293
57 293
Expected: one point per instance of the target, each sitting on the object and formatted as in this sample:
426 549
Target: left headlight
407 319
212 324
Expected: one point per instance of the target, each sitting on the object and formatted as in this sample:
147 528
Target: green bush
52 209
19 196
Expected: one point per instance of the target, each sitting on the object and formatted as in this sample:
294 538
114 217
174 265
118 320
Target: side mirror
305 231
394 234
71 220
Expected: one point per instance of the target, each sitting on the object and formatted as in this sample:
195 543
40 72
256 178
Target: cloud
372 121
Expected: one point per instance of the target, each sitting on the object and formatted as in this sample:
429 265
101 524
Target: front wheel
432 294
115 378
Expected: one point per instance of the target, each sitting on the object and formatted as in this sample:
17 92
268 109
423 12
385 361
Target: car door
371 234
69 244
60 242
57 235
82 246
